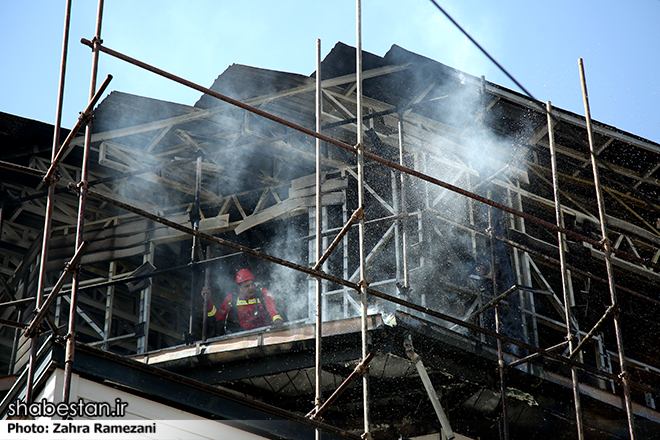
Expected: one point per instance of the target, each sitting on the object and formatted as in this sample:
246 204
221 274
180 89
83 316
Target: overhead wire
646 198
484 51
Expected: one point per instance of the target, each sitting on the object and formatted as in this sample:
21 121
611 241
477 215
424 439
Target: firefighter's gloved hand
206 292
278 322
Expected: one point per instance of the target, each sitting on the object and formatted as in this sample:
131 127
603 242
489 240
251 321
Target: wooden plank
125 229
109 243
133 165
345 112
375 251
117 254
88 319
159 233
29 207
130 318
262 201
332 82
429 86
156 139
269 214
24 265
150 126
629 227
426 130
185 137
301 155
289 207
326 187
336 198
627 266
11 236
209 226
22 353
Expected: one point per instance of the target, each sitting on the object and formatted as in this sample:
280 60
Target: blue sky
538 42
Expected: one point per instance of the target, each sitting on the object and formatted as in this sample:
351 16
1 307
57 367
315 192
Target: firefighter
485 274
251 308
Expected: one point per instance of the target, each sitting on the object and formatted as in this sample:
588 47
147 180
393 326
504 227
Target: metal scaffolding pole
403 208
500 354
109 304
318 239
195 218
608 257
591 332
42 312
144 312
564 273
356 215
71 334
49 202
82 121
493 302
358 370
535 355
360 170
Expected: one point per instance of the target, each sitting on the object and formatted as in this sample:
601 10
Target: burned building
444 253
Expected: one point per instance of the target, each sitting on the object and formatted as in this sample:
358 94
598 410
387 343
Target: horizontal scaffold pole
535 355
493 301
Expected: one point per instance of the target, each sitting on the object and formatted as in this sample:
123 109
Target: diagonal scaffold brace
71 266
360 369
84 117
358 214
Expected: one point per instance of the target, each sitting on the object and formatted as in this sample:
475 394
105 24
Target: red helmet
244 275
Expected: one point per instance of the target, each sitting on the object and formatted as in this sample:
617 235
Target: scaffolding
332 296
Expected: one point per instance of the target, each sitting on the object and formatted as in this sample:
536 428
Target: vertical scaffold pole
195 218
82 186
608 257
50 199
360 169
564 272
498 327
318 226
403 208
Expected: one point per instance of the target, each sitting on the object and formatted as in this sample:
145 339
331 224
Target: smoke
289 287
461 144
228 168
143 146
445 230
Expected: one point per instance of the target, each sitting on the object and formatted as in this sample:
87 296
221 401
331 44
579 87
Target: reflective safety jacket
252 312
